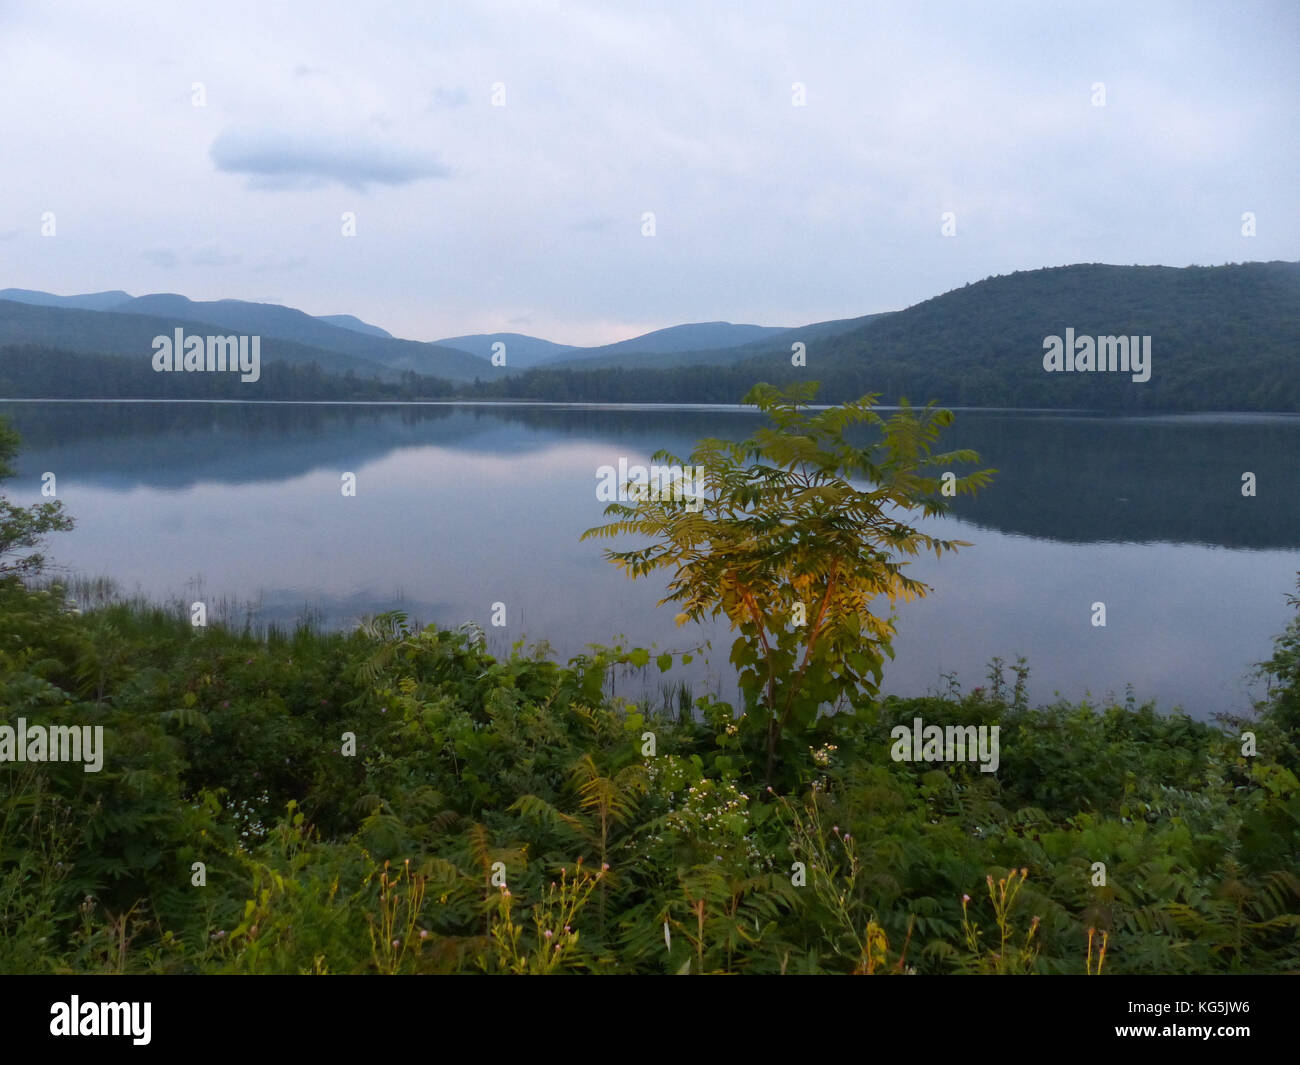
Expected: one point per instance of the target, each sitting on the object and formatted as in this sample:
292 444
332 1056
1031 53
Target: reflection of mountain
1174 479
1071 478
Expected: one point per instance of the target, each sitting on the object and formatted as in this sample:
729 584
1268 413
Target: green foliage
794 553
23 528
225 749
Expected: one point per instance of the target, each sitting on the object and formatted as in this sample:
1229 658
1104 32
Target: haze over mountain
350 321
629 354
523 352
90 301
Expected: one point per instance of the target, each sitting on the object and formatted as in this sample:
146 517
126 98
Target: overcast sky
472 217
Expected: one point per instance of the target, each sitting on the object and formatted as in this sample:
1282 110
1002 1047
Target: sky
499 158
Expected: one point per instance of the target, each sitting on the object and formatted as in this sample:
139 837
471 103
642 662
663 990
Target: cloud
457 97
206 254
210 254
273 262
9 234
164 257
276 160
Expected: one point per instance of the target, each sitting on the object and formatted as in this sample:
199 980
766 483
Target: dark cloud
277 160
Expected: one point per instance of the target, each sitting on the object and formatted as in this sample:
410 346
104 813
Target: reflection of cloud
276 160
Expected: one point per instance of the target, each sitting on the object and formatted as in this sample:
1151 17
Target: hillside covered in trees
1222 338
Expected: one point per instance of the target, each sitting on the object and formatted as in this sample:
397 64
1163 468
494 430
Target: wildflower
396 943
604 866
424 933
965 899
547 933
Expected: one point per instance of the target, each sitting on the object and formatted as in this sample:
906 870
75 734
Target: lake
461 506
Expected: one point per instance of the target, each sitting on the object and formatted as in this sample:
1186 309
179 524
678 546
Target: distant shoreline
1094 412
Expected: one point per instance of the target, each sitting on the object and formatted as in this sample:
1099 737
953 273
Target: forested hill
1222 338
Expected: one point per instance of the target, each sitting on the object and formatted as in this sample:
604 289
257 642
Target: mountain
521 351
700 336
111 333
92 301
524 352
341 334
626 354
1222 338
348 321
285 323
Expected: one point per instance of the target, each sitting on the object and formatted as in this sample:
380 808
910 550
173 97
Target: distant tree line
33 372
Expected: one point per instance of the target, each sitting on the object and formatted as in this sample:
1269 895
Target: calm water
459 507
